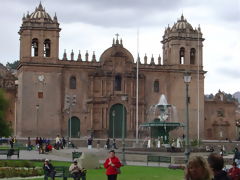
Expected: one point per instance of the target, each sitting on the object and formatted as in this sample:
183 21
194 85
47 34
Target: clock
41 78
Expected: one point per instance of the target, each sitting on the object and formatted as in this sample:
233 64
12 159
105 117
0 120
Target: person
112 166
149 142
221 152
40 149
48 148
63 142
114 146
90 141
236 157
57 142
29 145
158 142
234 172
11 142
107 145
37 143
198 169
216 163
75 170
98 144
48 170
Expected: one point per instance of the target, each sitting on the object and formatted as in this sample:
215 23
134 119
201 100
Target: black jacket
48 169
221 175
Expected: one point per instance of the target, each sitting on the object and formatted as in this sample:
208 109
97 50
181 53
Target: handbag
118 170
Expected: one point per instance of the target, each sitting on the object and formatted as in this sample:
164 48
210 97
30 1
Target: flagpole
198 91
137 87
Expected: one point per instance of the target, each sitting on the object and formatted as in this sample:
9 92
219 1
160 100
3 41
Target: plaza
151 106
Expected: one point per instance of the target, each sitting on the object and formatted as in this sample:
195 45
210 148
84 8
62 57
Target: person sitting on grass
48 170
198 169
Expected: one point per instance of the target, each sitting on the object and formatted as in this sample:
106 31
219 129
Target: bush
176 167
26 164
196 142
20 172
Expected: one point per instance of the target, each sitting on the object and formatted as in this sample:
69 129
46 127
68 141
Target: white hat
46 160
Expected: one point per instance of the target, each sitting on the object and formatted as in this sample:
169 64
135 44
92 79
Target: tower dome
182 25
116 51
40 14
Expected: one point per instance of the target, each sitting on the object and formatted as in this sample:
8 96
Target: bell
34 45
47 46
181 52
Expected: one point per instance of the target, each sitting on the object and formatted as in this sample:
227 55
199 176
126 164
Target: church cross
117 35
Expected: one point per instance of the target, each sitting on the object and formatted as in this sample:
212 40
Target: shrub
196 142
26 164
16 172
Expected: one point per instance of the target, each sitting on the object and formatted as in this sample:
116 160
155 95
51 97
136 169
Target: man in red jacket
112 165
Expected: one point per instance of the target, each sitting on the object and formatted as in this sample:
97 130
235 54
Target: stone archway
75 127
116 121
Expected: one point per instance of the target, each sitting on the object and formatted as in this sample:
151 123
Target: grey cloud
131 13
108 13
232 72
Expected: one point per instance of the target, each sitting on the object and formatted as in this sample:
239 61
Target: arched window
118 83
73 82
156 86
47 48
181 55
192 56
34 47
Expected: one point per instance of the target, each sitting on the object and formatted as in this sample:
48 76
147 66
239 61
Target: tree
13 65
6 130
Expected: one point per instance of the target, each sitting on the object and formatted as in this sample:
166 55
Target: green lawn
136 173
128 172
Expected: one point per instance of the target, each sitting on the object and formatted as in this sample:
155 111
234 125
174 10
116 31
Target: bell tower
39 36
182 44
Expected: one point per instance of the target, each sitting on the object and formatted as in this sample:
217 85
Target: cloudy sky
91 25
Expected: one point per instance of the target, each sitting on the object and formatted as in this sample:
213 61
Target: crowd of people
197 168
112 165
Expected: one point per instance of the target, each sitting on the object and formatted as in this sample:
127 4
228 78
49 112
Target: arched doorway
75 127
116 121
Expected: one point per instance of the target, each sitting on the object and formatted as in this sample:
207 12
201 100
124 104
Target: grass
16 147
127 172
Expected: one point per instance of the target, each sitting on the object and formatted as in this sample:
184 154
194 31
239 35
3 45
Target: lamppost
237 128
70 101
37 108
123 137
187 80
113 115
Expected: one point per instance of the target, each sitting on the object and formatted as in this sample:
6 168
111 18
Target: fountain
162 119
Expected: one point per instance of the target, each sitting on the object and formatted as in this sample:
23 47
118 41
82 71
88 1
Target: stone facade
99 93
221 117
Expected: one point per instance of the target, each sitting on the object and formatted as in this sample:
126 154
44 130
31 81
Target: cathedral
82 95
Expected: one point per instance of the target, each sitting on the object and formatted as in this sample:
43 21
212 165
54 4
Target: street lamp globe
187 77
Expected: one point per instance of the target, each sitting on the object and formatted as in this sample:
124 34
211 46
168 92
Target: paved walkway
136 158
